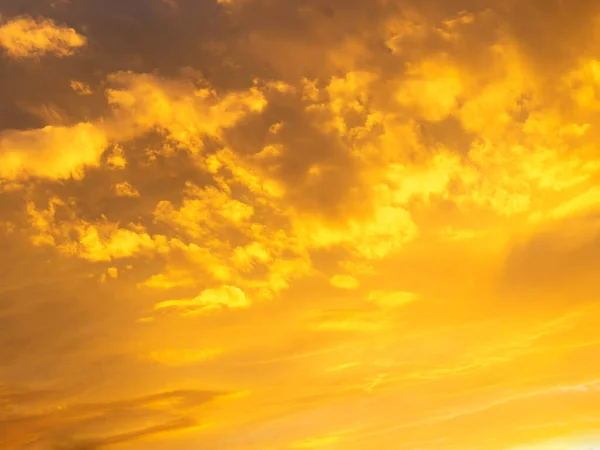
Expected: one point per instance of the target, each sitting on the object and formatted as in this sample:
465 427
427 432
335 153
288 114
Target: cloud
124 189
98 241
116 159
142 103
210 299
432 88
365 214
209 206
186 111
26 37
80 87
71 421
391 300
51 152
344 281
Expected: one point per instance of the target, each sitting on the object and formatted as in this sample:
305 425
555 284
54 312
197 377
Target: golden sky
299 224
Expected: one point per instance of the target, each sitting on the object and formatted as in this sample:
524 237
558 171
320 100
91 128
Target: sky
300 224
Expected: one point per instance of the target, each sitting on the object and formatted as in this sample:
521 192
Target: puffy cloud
142 103
116 159
204 210
80 87
26 37
51 152
124 189
386 230
187 112
432 88
98 241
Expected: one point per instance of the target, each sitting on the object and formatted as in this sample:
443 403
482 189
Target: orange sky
301 224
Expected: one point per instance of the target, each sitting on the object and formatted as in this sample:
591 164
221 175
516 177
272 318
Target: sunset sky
300 224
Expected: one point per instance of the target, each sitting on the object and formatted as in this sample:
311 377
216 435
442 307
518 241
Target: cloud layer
298 224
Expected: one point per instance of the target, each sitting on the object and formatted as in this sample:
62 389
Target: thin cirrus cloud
279 225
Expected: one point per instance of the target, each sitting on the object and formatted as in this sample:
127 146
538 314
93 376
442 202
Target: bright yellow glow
278 225
24 37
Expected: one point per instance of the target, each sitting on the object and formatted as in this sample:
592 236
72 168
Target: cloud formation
26 37
51 152
343 224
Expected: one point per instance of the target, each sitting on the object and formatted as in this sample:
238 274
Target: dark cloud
269 39
303 146
140 36
161 178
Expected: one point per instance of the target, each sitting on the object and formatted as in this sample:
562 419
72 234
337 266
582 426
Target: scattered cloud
80 87
51 152
124 189
26 37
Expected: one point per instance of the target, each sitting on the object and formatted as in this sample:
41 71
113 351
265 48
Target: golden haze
316 224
